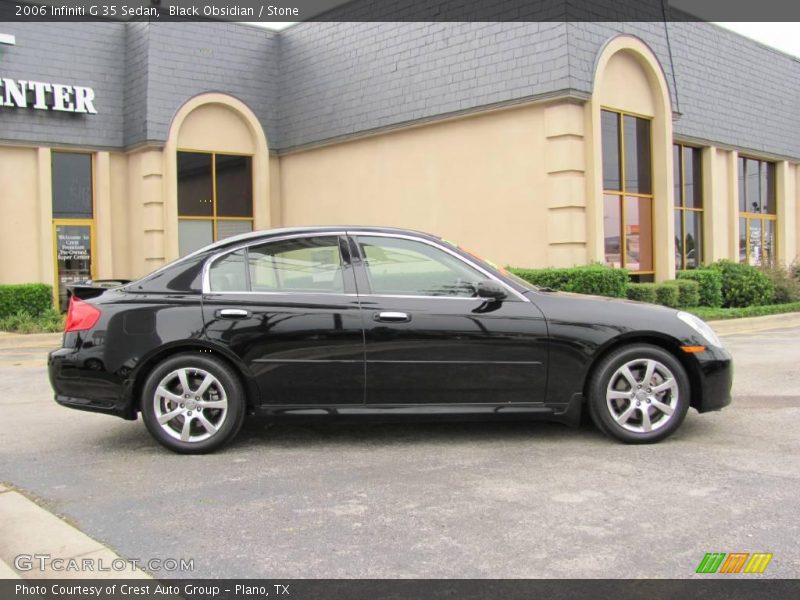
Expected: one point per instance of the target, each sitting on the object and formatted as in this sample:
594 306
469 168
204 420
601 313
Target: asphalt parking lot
464 500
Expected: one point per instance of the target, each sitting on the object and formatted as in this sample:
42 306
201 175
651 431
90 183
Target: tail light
80 315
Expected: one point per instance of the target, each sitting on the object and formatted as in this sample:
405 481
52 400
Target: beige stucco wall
23 244
480 181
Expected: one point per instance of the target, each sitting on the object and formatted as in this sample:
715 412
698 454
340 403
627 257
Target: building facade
654 146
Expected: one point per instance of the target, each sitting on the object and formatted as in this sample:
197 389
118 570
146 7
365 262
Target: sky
782 36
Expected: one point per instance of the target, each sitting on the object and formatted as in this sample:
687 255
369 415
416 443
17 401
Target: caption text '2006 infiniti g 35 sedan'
366 321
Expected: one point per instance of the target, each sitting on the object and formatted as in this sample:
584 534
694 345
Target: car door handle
392 317
233 313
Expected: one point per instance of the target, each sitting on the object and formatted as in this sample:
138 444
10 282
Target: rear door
430 340
288 308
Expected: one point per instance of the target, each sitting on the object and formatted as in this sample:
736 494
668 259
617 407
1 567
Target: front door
288 309
429 340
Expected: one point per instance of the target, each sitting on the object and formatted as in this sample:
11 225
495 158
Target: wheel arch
148 363
654 338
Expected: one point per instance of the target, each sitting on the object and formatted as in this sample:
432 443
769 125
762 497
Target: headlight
701 327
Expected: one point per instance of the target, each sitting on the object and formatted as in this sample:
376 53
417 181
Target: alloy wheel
642 395
190 404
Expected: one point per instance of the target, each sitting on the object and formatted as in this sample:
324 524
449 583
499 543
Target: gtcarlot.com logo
734 562
46 562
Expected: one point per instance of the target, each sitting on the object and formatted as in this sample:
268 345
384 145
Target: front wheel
639 394
193 404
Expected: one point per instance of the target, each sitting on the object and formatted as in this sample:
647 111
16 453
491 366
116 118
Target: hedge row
675 294
31 298
594 279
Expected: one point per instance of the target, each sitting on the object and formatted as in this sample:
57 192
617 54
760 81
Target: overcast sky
783 36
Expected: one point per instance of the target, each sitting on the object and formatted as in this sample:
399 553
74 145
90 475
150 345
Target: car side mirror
491 290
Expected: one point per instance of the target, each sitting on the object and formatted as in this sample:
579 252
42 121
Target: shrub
31 298
688 292
48 321
710 281
643 292
743 285
786 286
593 279
667 294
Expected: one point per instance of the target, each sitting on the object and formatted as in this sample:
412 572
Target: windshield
501 270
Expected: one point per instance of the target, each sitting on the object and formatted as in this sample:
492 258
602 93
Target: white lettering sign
18 93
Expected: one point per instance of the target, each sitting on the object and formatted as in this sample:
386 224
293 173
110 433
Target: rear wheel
193 404
639 394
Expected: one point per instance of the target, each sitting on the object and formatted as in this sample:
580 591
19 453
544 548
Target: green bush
786 286
48 321
32 298
688 292
743 285
710 281
667 295
642 292
593 279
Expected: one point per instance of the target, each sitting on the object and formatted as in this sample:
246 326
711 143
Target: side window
403 267
304 265
301 265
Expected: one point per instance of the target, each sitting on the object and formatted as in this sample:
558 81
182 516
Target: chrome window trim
450 251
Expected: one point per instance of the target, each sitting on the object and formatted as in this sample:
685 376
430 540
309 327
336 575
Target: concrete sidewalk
28 529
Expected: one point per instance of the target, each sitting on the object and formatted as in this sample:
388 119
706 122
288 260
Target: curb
755 324
30 340
28 529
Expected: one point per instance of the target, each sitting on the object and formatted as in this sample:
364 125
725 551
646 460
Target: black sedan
363 321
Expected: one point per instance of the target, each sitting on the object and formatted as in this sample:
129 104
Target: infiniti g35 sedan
367 321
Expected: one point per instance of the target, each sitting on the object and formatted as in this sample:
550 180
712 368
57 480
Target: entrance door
74 243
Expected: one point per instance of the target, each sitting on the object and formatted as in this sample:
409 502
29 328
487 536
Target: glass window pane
694 239
228 274
693 177
609 124
193 235
195 192
306 265
226 229
679 240
742 240
637 155
234 186
676 174
756 242
742 187
407 267
638 234
752 184
72 185
768 188
611 230
769 242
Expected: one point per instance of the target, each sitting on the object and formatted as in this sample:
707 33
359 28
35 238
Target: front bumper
714 380
83 384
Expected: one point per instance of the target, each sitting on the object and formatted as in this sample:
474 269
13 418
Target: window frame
214 218
622 193
71 221
752 216
349 287
680 205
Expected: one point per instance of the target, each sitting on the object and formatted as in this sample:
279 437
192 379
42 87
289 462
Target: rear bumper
78 383
716 378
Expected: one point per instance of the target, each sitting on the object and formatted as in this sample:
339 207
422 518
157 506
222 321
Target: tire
201 419
628 407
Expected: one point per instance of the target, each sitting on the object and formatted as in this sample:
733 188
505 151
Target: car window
300 265
404 267
228 273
